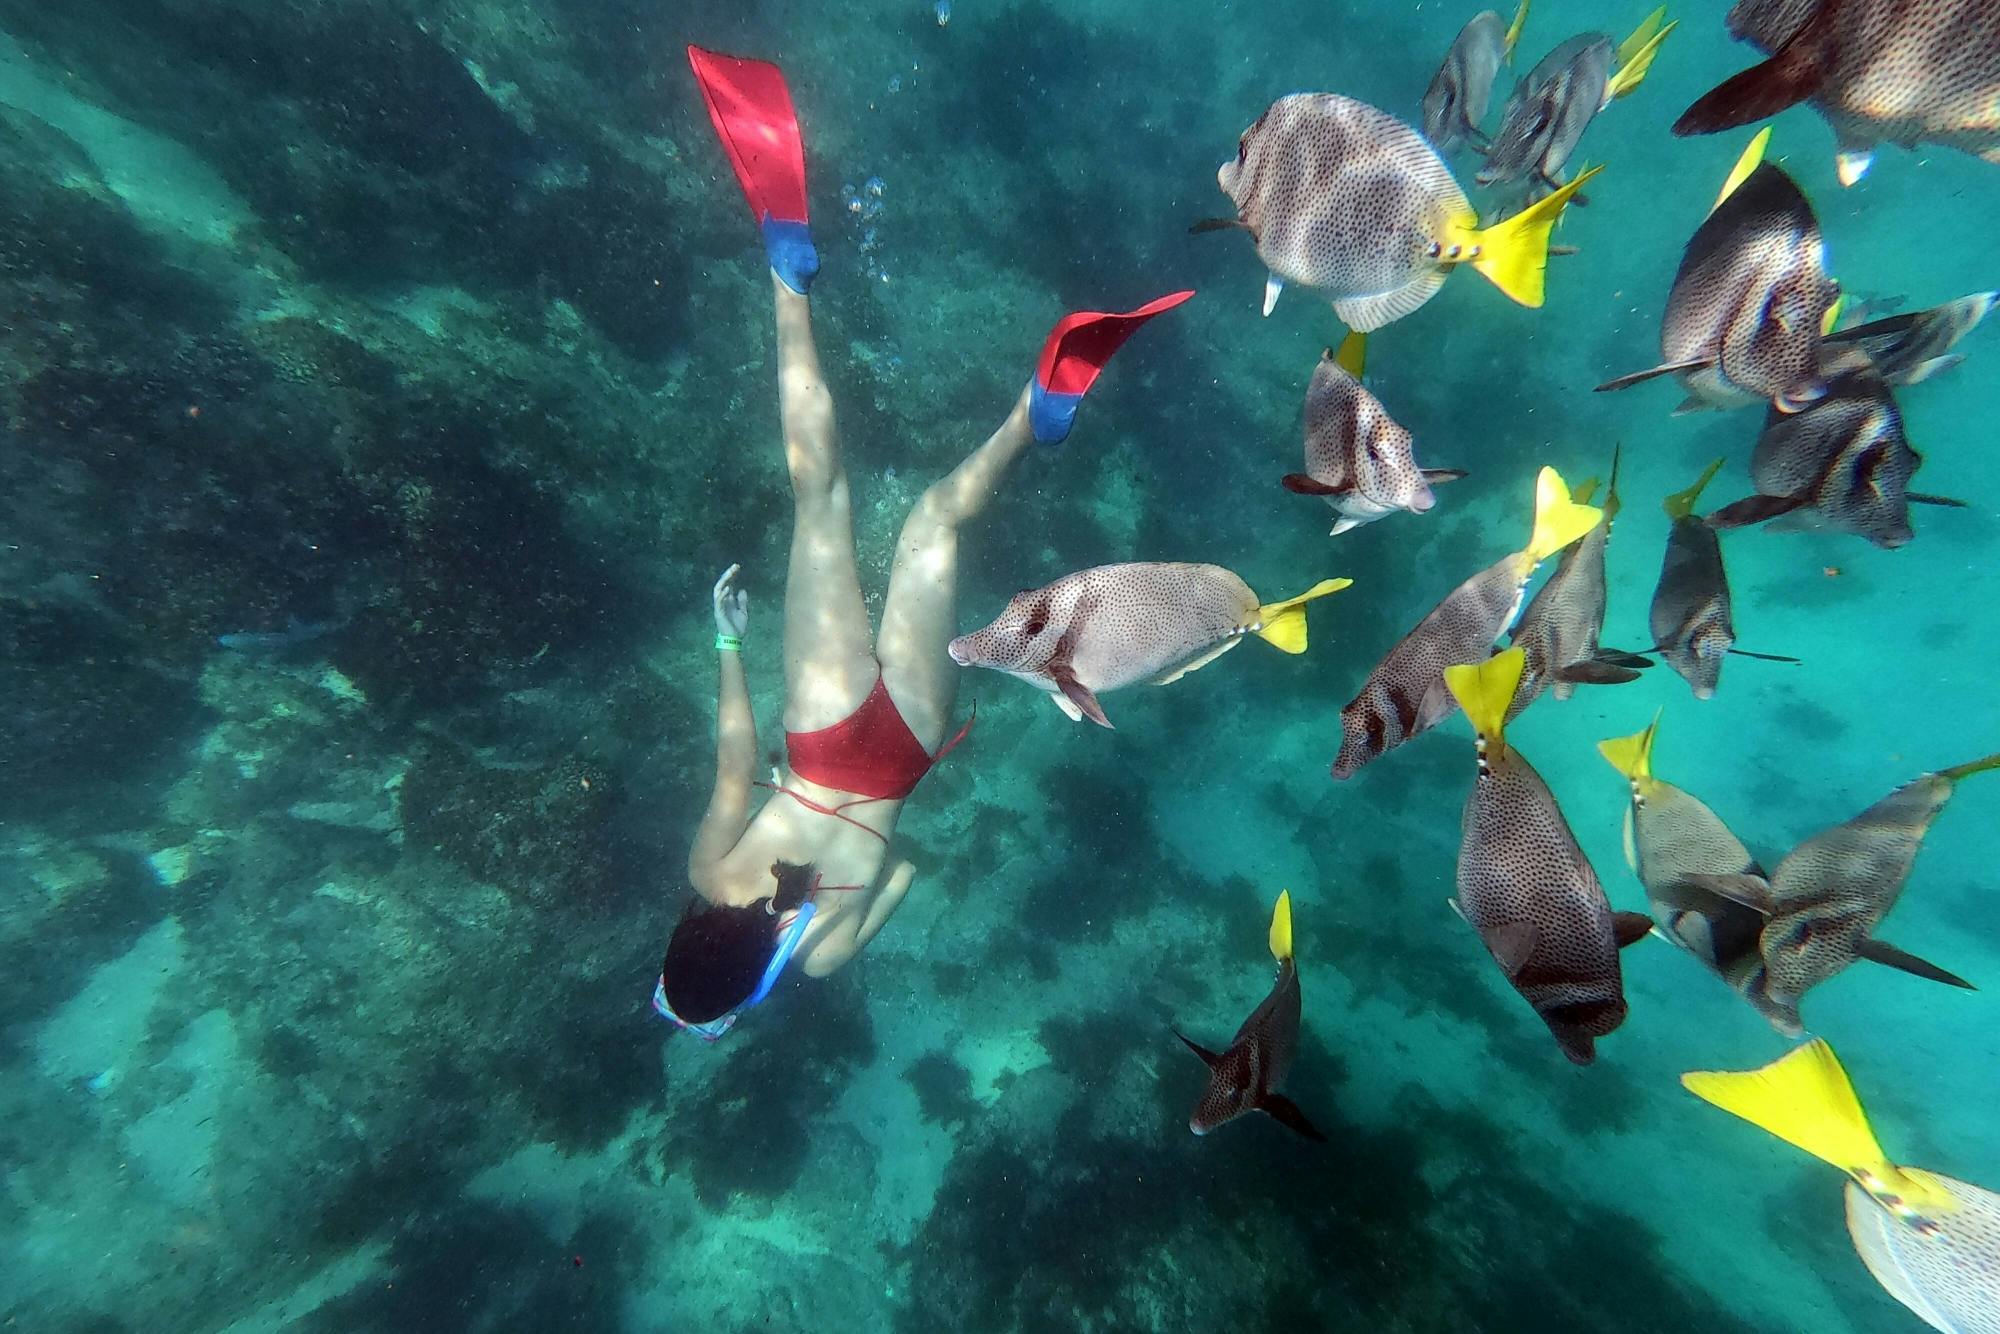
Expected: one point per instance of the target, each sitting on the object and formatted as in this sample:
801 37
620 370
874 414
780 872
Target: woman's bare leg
920 614
829 669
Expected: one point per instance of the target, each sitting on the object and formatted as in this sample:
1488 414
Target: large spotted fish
1350 200
1828 895
1880 71
1911 348
1931 1241
1114 625
1526 887
1357 456
1693 617
1247 1076
1461 90
1749 303
1842 464
1560 626
1405 695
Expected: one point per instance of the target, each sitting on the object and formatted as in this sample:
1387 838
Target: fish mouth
958 651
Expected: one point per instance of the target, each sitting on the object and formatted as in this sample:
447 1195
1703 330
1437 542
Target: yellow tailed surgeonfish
1693 617
1462 89
1345 198
1525 886
1405 694
1932 1241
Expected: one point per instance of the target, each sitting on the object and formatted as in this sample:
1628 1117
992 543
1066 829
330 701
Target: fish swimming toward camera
1749 303
1693 616
1405 695
1358 457
1247 1076
1525 886
1878 71
1345 198
1931 1241
1116 625
1911 348
1462 89
1828 895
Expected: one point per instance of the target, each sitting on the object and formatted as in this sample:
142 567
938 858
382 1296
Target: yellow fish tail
1353 354
1637 52
1559 519
1485 690
1281 927
1970 768
1514 31
1681 504
1831 320
1753 154
1514 254
1283 624
1632 755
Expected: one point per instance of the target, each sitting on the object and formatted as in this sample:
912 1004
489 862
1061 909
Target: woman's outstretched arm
728 811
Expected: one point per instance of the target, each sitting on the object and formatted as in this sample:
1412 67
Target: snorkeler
807 879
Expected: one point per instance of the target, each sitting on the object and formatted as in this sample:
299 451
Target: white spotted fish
1829 894
1114 625
1461 90
1247 1076
1357 456
1931 1241
1842 464
1526 887
1560 626
1911 348
1405 695
1749 303
1345 198
1693 617
1879 71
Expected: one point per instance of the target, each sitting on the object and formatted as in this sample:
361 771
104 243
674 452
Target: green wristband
728 643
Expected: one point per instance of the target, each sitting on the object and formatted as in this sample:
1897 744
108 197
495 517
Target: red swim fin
752 111
1792 74
1073 356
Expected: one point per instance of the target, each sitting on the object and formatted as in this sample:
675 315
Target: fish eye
1036 625
1243 148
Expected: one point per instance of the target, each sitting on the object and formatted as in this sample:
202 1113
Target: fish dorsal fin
1681 504
1629 928
1281 927
1637 53
1353 354
1751 158
1209 1058
1831 320
1283 624
1970 768
1559 520
1513 37
1632 755
1367 313
1512 944
1611 505
1485 689
1513 254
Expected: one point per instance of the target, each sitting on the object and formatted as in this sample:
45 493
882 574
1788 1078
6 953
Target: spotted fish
1525 886
1350 200
1114 625
1405 695
1558 631
1931 1241
1357 456
1748 305
1829 894
1908 349
1246 1078
1462 88
1879 71
1692 617
1842 464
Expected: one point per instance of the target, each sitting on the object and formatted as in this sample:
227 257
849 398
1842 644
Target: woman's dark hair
717 955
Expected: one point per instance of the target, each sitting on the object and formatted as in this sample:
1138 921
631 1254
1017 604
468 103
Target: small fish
1830 893
1526 887
1671 835
1931 1241
1357 456
1558 631
267 642
1114 625
1350 200
1908 349
1842 464
943 9
1246 1078
1462 88
1879 71
1405 695
1749 302
1692 618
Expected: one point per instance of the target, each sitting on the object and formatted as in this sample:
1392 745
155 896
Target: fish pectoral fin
1287 1114
1196 663
1629 928
1654 373
1274 287
1209 1058
1764 657
1926 498
1076 697
1436 476
1752 891
1882 952
1753 509
1599 672
1217 225
1299 484
1364 314
1792 74
1924 370
1512 944
1068 706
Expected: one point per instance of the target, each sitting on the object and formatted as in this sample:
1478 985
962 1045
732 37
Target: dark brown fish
1879 71
1462 88
1546 116
1693 617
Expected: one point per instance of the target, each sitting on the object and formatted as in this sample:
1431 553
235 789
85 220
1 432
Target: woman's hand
732 605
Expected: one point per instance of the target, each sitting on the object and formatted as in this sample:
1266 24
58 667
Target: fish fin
1752 891
1511 944
1353 354
1283 624
1598 672
1654 373
1935 366
1196 663
1926 498
1680 504
1629 928
1618 657
1070 711
1299 484
1513 36
1485 689
1792 74
1365 314
1456 910
1693 403
1763 657
1281 927
1882 952
1274 287
1217 225
1559 520
1747 162
1831 320
1632 755
1287 1114
1585 491
1753 509
1851 164
1209 1058
1971 767
1434 476
1513 255
1344 524
1078 694
1631 841
1637 53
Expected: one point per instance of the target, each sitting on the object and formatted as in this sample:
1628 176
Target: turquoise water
440 328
